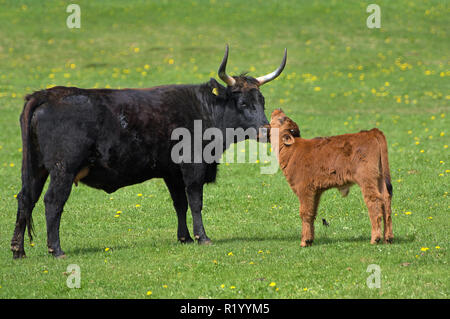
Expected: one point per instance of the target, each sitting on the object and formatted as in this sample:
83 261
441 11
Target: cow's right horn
269 77
222 73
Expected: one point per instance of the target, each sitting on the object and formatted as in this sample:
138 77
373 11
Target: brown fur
244 82
312 166
81 174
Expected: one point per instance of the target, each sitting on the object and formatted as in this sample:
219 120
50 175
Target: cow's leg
195 197
309 202
180 203
27 198
374 203
56 196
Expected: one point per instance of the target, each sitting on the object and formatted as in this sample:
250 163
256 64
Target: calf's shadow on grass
318 241
361 238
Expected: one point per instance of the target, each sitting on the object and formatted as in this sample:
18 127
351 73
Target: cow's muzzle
264 133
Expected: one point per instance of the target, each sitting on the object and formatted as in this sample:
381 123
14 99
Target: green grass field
340 77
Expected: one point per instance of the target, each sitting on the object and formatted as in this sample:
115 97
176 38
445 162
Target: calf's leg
374 203
308 211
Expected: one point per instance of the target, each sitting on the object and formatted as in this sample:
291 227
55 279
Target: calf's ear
288 139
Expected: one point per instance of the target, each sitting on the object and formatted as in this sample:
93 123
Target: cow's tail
384 161
32 102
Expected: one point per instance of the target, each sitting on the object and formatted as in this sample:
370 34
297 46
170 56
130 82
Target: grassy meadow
340 77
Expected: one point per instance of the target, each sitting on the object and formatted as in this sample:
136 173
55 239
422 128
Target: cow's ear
288 139
217 89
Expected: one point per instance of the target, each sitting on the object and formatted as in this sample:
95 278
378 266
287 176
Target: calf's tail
384 161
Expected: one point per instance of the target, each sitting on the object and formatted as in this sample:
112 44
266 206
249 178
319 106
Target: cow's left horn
222 73
269 77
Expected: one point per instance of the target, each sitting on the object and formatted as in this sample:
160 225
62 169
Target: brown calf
312 166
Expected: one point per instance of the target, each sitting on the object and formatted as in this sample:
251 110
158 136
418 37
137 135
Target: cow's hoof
389 240
57 253
19 254
185 240
204 241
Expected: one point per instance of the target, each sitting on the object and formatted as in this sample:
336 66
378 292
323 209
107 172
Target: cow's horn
222 73
269 77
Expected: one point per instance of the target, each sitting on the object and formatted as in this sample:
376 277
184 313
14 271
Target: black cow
108 139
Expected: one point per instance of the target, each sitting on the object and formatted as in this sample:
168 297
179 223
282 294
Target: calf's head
244 99
287 129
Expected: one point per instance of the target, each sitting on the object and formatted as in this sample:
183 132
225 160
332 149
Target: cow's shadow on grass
292 238
78 251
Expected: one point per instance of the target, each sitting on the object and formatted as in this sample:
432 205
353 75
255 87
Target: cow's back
122 136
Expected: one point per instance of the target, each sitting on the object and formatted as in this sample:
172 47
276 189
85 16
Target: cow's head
244 98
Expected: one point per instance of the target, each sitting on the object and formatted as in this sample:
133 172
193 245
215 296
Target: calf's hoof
389 240
306 243
375 241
